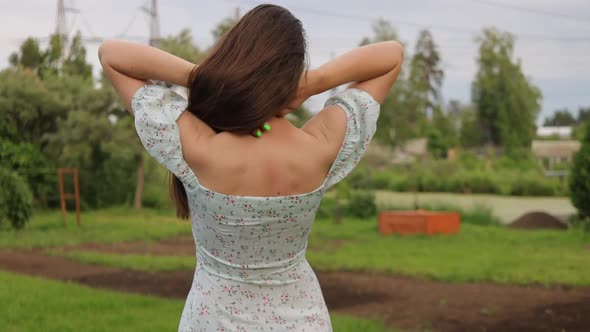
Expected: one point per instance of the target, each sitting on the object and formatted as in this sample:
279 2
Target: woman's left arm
129 66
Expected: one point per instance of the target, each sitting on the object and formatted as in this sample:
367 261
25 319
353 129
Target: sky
553 37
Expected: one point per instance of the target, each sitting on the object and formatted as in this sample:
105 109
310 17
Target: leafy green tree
441 135
300 116
397 121
224 26
562 117
426 76
506 102
54 61
579 179
182 46
583 115
90 141
31 164
29 55
28 110
16 201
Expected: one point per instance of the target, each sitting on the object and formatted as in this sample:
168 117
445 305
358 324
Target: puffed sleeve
362 112
156 109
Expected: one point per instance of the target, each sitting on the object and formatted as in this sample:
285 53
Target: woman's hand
130 66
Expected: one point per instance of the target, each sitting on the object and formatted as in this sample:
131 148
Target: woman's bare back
285 161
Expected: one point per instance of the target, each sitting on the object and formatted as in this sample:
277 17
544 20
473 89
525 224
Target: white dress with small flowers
251 272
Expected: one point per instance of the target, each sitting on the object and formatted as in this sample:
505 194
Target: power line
533 10
87 25
128 25
449 28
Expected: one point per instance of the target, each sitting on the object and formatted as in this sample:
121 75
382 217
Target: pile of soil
538 220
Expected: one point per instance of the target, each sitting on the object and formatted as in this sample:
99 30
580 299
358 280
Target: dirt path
182 246
407 303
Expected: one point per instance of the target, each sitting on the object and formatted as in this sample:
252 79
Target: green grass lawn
32 304
107 226
156 263
477 253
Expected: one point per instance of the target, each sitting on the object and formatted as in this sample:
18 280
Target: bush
326 209
28 161
579 181
16 200
529 186
361 204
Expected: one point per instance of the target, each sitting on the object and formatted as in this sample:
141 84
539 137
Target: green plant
28 161
16 200
326 209
361 204
532 186
579 181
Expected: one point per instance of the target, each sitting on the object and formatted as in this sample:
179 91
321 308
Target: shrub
579 181
326 209
28 161
361 204
382 180
470 161
529 186
16 200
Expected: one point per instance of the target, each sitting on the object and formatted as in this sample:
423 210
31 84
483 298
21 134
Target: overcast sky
553 42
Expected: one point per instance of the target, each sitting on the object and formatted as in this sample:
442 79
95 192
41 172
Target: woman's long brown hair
250 75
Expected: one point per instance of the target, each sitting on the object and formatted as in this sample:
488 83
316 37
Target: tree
506 102
182 46
50 99
382 31
53 62
426 76
397 122
28 110
225 25
583 115
579 179
562 117
300 116
441 135
29 55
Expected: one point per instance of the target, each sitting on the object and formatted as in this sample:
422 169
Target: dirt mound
538 220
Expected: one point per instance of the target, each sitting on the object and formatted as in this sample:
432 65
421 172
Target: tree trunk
139 184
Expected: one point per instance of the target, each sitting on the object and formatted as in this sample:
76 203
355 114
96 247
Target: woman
249 180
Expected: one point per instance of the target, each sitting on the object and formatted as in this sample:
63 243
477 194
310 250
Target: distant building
561 132
550 153
410 151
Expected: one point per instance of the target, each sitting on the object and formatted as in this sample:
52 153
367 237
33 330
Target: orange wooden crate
419 222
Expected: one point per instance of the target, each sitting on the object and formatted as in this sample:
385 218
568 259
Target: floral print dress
251 272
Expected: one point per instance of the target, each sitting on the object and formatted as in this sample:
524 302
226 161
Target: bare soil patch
538 220
184 246
408 303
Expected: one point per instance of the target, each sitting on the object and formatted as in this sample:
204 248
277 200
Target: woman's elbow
398 51
104 51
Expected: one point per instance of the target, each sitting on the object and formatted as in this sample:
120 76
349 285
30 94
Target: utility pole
61 29
152 12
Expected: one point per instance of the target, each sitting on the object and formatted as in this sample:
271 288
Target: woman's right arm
372 68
